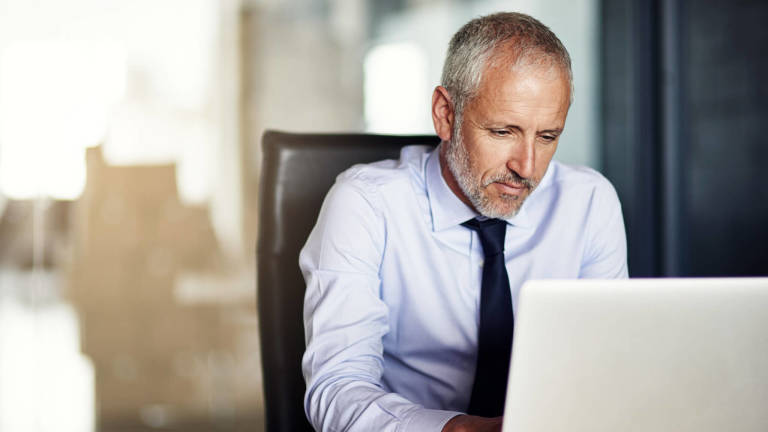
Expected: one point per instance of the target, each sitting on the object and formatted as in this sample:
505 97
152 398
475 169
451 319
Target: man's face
507 134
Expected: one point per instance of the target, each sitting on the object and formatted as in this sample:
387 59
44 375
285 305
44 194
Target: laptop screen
640 355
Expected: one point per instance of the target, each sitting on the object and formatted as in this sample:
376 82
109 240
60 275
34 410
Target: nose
522 160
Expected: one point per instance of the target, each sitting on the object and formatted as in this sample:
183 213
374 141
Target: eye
548 138
500 132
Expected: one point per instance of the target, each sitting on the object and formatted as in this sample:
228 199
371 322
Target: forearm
354 405
343 368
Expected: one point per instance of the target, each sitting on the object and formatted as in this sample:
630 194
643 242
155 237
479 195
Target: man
414 267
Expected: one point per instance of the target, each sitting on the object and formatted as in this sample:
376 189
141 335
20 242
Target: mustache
512 177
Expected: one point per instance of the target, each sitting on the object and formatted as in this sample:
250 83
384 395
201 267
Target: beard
469 179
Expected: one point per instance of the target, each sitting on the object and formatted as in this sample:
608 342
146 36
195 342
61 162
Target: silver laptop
640 355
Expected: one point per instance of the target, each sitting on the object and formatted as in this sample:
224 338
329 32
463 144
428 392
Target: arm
605 256
345 320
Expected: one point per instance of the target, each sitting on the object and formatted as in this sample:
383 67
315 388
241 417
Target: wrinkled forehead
515 57
544 82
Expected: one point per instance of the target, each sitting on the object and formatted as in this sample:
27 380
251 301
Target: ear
442 113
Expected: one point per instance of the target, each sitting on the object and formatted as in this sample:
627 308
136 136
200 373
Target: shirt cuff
424 420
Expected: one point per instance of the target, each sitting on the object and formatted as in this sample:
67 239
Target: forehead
539 89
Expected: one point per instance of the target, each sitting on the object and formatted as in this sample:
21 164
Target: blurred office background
129 163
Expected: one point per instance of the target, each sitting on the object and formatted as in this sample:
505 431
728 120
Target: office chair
297 171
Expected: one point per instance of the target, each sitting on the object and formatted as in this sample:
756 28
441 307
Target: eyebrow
556 131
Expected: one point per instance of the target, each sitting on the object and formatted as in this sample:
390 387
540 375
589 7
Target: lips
514 185
511 188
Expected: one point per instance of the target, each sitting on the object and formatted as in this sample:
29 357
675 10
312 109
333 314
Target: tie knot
491 233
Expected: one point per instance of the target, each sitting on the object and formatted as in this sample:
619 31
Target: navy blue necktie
496 322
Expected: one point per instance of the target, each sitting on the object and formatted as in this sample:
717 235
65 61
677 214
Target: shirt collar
448 210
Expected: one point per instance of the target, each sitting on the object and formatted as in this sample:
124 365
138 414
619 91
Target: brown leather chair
297 171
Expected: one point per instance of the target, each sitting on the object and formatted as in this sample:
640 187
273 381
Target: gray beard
459 164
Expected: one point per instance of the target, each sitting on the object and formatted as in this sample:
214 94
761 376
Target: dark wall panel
685 111
726 88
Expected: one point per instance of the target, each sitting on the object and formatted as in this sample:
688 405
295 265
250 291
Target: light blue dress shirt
393 285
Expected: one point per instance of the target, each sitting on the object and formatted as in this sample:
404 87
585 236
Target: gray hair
475 45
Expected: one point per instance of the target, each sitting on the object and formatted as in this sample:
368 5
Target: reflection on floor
167 328
46 384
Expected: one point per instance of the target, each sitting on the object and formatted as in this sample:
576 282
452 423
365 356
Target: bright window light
397 96
55 99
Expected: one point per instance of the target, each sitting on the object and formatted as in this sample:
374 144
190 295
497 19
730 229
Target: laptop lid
640 355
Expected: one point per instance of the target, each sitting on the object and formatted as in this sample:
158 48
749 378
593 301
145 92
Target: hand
468 423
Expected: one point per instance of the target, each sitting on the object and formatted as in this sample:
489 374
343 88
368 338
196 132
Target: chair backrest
297 171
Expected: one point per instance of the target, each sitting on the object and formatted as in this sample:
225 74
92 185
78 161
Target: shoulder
580 183
574 192
387 176
577 176
351 225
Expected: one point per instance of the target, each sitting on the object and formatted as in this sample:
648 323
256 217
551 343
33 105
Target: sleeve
345 320
606 249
